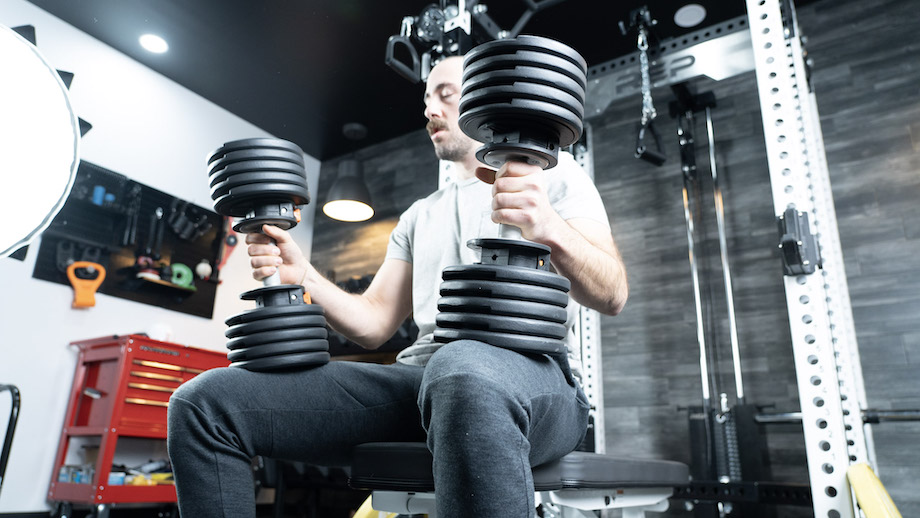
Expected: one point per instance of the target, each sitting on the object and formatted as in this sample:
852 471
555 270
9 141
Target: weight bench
400 476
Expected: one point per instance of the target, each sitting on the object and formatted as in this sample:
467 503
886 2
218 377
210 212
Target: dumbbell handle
506 231
275 278
510 232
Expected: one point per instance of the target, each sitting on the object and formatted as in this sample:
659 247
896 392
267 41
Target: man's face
442 98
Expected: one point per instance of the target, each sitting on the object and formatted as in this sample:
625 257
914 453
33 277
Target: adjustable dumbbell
524 98
262 181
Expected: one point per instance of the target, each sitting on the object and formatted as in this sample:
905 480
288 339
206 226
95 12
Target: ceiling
301 69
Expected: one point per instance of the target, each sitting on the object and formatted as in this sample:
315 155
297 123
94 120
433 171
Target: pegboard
117 222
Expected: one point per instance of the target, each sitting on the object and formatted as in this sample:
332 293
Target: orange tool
84 290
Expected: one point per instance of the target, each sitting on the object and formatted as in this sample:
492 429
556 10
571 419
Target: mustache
435 125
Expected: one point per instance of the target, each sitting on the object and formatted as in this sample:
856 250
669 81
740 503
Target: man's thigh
314 415
493 381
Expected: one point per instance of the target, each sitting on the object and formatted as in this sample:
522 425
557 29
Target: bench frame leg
404 502
634 501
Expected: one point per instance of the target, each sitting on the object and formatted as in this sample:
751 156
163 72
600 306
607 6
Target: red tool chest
121 388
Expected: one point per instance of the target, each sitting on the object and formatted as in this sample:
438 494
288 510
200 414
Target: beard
455 147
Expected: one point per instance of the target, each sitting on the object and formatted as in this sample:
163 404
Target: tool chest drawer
121 389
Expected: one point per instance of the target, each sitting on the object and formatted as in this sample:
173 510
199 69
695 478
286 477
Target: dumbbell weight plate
275 324
519 343
254 315
284 362
246 161
247 155
528 43
281 335
504 290
240 201
251 225
278 348
476 122
496 155
513 308
261 177
254 143
524 74
256 166
486 65
517 274
501 324
501 94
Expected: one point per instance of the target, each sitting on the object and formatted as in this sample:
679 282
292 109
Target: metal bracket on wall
820 318
798 244
718 52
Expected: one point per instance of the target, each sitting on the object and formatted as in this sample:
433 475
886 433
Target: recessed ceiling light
690 15
154 43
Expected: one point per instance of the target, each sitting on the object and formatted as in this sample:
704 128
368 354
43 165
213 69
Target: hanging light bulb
348 198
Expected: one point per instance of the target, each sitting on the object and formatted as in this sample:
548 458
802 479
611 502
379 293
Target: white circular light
690 15
348 210
154 43
39 142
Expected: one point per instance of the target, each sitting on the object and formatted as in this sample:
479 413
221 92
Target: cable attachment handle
410 71
642 22
651 156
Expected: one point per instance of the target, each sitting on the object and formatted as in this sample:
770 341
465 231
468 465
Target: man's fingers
257 238
263 272
263 250
260 261
518 169
273 232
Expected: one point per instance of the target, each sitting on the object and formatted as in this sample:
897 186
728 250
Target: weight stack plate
513 307
523 97
278 337
250 174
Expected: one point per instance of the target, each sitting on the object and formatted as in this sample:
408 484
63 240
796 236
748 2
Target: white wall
153 131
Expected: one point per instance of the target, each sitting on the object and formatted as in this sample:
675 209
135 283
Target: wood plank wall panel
867 80
397 173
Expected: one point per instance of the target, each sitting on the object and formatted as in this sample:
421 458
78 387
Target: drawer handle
155 376
149 402
167 366
147 386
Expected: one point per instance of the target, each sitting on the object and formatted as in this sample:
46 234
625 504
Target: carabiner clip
656 156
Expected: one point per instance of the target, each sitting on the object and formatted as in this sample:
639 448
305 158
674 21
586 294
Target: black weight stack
524 98
262 181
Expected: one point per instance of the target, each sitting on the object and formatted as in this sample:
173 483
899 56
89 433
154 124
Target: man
488 414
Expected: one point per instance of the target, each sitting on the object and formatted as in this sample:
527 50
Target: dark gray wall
866 76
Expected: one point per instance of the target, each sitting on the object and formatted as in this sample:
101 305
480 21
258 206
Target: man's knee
468 357
467 376
206 386
212 392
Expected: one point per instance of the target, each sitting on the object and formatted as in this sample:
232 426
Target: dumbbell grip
506 231
510 232
275 278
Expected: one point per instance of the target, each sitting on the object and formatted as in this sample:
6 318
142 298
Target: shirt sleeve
572 193
400 245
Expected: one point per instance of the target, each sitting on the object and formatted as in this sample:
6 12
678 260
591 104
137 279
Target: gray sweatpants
489 413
